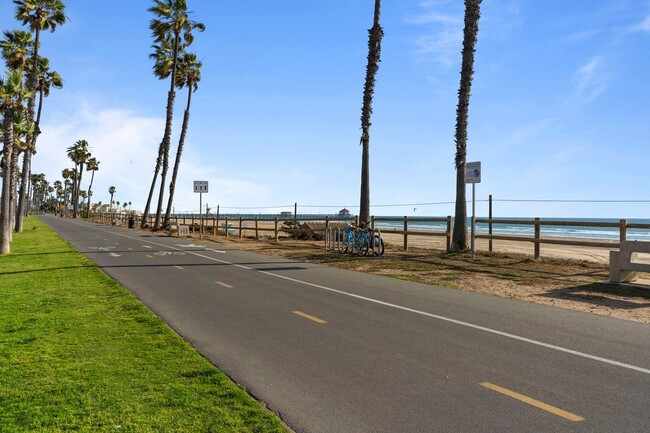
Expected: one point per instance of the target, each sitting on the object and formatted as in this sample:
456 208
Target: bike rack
332 237
328 240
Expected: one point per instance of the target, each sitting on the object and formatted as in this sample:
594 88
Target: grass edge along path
78 352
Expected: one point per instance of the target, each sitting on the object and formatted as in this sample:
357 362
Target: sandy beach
570 252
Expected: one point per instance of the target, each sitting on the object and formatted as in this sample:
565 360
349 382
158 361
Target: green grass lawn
78 352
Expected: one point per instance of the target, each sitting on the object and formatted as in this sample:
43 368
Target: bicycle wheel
377 246
363 246
345 247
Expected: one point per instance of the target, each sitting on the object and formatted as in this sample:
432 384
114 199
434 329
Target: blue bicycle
354 240
362 240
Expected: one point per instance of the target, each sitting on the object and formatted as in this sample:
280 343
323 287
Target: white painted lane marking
114 255
412 310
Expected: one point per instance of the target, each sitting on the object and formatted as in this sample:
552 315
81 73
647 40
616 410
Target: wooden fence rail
237 227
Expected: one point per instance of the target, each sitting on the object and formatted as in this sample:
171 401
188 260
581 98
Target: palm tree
92 165
470 34
58 188
16 46
37 15
172 23
188 75
12 96
79 154
45 81
111 191
67 174
84 195
374 51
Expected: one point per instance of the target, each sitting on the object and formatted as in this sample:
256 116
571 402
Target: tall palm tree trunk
23 210
31 137
76 201
147 207
374 52
165 157
470 34
13 189
90 191
177 161
5 204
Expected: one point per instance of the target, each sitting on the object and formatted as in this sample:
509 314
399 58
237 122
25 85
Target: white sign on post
473 176
201 186
473 172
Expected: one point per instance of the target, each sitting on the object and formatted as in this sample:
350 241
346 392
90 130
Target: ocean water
600 233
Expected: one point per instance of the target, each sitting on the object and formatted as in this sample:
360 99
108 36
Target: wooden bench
624 265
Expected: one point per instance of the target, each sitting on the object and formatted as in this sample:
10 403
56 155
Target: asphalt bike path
335 350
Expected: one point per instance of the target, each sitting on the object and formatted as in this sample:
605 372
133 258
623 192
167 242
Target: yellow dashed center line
130 249
531 401
310 317
227 286
179 267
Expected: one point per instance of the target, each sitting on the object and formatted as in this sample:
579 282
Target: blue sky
559 106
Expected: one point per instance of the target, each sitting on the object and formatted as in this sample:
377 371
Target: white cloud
122 141
126 144
443 36
645 25
433 17
591 79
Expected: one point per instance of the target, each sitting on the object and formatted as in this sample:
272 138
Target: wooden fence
237 227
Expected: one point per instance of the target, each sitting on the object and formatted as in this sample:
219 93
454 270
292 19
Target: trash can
131 221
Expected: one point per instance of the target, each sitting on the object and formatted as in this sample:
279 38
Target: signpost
473 176
201 186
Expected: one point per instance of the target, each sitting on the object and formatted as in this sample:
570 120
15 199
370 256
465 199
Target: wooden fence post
327 225
214 226
372 223
490 225
276 229
240 230
226 227
448 233
257 236
406 236
623 231
538 231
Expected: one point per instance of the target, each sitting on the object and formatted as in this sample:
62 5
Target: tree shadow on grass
43 254
28 271
604 294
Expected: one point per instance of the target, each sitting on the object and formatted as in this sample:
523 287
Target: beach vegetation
376 33
470 35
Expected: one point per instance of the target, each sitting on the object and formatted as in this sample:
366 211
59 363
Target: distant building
344 212
286 214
